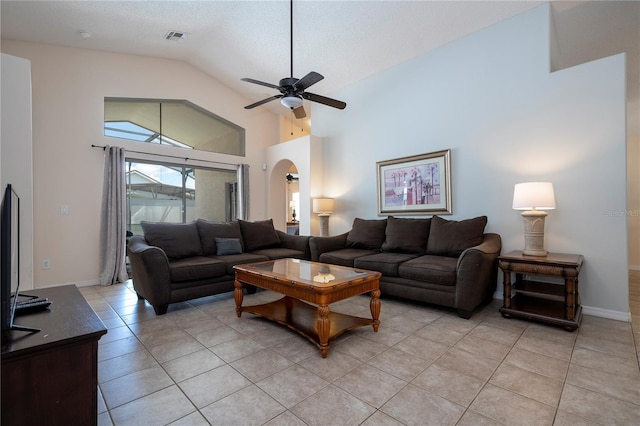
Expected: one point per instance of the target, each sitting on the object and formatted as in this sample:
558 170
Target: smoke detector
176 35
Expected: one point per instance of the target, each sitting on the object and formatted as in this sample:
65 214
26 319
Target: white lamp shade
534 196
323 205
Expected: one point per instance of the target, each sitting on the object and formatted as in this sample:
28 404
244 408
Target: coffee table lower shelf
303 318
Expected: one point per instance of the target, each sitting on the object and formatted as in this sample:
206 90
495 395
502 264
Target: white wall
306 154
16 152
491 99
69 86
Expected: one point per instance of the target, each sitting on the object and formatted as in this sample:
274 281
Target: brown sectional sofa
176 262
434 260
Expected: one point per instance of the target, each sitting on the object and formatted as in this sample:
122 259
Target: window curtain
243 191
113 227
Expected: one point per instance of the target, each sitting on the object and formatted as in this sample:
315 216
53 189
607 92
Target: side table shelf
524 297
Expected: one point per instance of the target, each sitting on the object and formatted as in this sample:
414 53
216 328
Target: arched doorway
292 200
284 196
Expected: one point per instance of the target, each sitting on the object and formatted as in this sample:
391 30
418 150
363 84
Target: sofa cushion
259 234
209 231
433 269
451 238
178 240
231 260
344 257
196 268
228 246
280 253
406 235
386 263
367 234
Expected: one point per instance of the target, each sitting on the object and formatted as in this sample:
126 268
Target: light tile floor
200 365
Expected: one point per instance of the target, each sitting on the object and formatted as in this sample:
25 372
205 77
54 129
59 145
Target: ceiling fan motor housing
287 83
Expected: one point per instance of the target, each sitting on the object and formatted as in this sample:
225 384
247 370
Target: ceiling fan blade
307 81
264 101
324 100
299 112
262 83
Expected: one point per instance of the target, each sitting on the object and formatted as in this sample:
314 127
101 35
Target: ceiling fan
292 90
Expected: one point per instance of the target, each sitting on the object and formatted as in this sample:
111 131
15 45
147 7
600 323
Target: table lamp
534 198
323 207
292 204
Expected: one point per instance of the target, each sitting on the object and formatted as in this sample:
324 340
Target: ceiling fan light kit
291 101
292 90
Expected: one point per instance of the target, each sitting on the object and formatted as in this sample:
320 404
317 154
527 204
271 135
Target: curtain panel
113 226
243 191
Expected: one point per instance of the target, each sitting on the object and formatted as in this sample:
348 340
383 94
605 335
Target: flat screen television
10 259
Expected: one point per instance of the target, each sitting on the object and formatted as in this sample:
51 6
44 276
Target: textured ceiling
346 41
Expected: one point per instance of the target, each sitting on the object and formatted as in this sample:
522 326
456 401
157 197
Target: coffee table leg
324 327
238 295
374 304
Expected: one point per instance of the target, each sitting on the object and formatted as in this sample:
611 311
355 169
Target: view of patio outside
167 193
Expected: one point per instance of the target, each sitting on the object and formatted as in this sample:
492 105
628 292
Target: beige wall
69 86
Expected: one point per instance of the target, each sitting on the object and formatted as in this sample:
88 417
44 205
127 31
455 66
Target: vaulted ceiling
346 41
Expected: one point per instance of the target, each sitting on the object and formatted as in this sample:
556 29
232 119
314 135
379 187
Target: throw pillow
178 240
259 234
228 246
451 238
367 234
209 231
406 235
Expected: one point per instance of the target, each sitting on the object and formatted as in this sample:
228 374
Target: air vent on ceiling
176 35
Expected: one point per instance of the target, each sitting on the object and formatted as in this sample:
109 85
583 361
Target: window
164 192
175 123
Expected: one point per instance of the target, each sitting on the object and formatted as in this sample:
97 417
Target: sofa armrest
477 274
295 242
150 269
319 245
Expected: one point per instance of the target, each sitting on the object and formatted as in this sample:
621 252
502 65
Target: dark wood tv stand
51 377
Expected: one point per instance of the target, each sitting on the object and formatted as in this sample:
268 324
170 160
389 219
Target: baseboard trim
86 283
606 313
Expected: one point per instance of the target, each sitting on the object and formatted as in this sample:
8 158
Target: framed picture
415 185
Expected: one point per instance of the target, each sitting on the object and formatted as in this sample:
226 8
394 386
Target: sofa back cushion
259 234
367 234
451 238
406 235
209 231
178 240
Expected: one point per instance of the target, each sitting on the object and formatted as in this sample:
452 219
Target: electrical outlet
46 264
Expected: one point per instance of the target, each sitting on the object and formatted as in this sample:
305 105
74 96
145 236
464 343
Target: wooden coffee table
309 288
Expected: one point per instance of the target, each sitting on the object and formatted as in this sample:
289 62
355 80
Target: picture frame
415 185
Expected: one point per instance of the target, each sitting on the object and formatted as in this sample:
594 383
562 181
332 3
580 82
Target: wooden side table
524 297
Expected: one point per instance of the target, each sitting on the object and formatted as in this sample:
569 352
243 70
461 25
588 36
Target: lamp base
534 233
324 225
